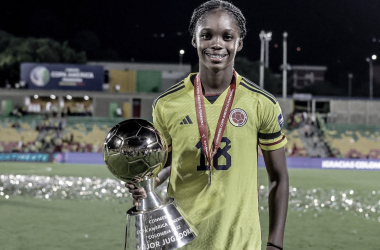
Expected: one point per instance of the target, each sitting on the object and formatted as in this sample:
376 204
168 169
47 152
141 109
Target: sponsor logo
40 76
27 157
238 117
186 120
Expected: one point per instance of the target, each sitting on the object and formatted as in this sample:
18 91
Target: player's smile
216 57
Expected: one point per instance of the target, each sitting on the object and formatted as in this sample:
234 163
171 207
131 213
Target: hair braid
208 6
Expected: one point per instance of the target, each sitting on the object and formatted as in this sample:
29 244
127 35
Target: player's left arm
272 141
278 185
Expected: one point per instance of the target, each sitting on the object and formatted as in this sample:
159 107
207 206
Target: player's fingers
139 197
130 185
138 193
135 202
158 181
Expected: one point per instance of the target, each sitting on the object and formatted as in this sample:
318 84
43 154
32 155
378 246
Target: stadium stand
43 134
86 134
355 140
295 146
16 132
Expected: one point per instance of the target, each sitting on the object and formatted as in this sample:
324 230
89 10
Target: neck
215 82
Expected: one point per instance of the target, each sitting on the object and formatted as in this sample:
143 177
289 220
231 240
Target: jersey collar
190 89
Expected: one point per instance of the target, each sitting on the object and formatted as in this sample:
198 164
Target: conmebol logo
40 76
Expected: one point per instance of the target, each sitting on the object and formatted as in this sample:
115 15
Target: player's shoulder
174 91
255 91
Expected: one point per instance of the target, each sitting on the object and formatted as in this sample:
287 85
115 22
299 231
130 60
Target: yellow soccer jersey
225 214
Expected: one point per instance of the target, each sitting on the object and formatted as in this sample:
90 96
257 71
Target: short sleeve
160 125
270 134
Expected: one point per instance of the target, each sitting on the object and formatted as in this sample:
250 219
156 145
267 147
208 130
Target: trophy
134 151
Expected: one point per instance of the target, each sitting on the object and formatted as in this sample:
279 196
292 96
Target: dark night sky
335 33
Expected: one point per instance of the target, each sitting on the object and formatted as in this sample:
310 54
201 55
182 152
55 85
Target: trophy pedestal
160 228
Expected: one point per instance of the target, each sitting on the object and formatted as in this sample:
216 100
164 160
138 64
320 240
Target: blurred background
69 71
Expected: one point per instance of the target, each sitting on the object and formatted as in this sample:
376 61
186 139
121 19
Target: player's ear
194 42
240 44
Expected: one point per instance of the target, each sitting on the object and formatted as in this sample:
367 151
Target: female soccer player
213 122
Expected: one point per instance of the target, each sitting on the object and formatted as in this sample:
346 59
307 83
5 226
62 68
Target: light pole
181 52
350 76
284 65
369 60
268 38
262 38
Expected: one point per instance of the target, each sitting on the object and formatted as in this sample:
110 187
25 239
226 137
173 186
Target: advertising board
62 76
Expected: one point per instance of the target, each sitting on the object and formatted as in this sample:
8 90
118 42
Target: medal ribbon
222 122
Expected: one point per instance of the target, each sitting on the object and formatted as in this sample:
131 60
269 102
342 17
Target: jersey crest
238 117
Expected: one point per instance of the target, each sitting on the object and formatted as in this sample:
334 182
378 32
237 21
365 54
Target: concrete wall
355 111
287 106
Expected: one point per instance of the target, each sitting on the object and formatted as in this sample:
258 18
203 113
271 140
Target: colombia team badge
238 117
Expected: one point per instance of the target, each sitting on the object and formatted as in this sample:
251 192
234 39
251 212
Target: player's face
217 40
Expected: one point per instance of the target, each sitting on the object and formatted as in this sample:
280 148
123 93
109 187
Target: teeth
216 56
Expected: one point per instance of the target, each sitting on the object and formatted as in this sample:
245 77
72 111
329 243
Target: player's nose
216 42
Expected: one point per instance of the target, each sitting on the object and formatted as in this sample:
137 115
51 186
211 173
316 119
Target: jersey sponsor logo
186 120
238 117
280 120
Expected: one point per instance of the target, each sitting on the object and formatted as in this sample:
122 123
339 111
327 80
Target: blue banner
31 157
62 76
329 163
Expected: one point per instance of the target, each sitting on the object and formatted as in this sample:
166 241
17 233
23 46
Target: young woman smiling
213 122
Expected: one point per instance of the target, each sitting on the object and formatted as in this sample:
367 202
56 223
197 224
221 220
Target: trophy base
160 228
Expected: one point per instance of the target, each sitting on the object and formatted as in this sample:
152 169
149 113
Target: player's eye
205 36
228 37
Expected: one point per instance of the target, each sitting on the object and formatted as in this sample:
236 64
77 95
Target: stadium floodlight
374 57
181 52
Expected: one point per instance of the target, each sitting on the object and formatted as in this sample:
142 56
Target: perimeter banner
31 157
329 163
62 76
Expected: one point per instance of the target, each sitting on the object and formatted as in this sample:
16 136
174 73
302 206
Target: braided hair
208 6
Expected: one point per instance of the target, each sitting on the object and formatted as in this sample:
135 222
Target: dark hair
208 6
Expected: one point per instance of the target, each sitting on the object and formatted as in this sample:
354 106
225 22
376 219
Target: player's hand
138 193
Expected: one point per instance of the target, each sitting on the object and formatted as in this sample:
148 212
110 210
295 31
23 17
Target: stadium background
56 193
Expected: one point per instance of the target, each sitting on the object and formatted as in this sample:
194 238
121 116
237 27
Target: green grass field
44 224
